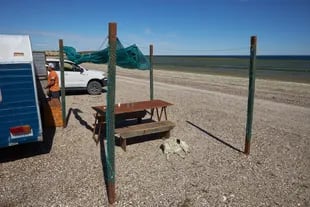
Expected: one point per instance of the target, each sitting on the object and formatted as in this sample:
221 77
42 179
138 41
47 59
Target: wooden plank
144 129
52 113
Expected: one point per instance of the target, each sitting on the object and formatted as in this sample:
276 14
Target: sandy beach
210 116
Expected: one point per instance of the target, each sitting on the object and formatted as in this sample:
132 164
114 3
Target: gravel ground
210 116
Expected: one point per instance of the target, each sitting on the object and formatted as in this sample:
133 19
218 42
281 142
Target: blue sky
174 27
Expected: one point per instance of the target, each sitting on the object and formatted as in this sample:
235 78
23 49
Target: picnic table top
134 106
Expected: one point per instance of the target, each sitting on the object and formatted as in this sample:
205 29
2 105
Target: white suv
77 77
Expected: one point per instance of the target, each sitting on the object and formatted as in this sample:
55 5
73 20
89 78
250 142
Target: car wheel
94 88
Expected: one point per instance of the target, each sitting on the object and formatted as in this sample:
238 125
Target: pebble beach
210 116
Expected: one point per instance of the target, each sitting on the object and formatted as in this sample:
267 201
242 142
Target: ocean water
285 68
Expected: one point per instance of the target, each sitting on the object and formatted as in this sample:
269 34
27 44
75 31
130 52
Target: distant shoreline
288 76
284 68
298 57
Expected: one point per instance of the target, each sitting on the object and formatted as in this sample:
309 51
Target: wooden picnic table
137 110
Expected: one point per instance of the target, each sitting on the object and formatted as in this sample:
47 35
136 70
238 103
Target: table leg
151 113
99 132
95 125
123 144
163 110
158 117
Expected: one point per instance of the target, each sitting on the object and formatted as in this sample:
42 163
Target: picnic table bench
100 119
124 133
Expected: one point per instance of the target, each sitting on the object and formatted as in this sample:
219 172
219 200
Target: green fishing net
129 57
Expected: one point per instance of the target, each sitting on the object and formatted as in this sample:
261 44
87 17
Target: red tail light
20 130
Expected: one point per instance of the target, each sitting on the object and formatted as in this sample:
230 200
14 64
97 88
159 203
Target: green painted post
62 79
151 73
251 96
110 114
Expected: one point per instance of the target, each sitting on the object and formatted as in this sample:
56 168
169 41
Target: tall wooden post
151 73
251 96
62 79
110 115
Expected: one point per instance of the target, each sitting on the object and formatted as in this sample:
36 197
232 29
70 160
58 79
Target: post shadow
214 137
76 114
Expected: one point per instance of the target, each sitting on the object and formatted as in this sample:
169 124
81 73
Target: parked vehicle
20 119
78 77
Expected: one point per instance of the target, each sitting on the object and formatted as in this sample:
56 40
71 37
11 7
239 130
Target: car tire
94 88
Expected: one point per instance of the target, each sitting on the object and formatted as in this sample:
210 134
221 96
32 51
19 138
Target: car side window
68 67
76 68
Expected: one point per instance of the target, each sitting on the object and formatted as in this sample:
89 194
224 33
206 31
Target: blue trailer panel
20 120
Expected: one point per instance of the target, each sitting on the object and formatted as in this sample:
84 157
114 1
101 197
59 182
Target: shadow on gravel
76 112
80 92
22 151
214 137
